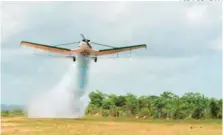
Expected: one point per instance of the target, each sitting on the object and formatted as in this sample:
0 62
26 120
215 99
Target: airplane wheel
95 59
74 59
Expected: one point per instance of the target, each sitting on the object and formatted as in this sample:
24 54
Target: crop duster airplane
84 49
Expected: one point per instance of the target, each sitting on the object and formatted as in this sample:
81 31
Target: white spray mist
65 99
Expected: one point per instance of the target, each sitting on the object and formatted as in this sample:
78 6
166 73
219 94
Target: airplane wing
119 49
49 48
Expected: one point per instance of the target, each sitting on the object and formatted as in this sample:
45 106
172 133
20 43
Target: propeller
85 40
83 36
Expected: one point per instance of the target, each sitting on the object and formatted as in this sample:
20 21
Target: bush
105 113
17 112
5 113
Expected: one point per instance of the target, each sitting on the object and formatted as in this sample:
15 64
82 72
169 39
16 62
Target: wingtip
21 42
146 46
24 42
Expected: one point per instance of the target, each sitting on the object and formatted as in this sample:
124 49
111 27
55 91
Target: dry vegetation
106 126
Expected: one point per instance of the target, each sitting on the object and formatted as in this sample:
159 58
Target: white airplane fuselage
84 49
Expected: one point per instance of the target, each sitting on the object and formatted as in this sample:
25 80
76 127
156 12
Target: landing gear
95 59
74 59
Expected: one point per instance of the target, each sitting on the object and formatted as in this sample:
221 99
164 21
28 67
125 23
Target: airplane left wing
53 49
119 49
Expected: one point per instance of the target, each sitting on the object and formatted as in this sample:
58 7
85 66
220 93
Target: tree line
13 112
165 106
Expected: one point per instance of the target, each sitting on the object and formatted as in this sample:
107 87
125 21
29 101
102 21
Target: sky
184 50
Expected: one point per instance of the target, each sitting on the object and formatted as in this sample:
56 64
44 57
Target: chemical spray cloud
65 99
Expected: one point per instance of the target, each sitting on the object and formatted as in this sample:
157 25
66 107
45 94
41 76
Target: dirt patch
20 126
9 124
6 119
13 130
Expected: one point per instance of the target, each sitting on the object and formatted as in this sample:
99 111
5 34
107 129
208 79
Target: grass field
108 126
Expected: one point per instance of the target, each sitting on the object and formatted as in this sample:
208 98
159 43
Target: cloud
203 14
177 45
217 44
14 17
196 13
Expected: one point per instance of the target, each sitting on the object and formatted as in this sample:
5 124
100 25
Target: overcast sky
183 55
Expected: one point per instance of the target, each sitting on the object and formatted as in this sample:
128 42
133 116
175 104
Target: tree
120 101
214 108
192 105
96 98
131 104
219 115
107 104
168 100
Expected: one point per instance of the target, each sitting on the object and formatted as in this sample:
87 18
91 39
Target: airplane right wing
119 49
